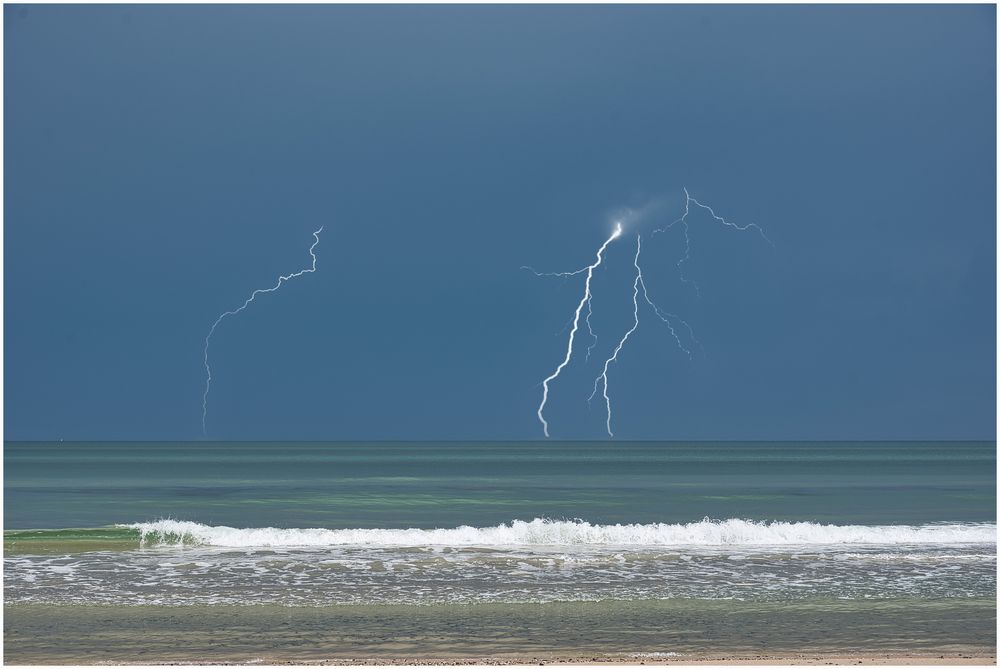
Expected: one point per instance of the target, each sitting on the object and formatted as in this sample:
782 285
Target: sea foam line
541 531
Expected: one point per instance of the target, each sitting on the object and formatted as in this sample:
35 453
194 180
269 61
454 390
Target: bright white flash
671 320
253 295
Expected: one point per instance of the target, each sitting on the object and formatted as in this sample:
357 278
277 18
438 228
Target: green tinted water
94 595
336 485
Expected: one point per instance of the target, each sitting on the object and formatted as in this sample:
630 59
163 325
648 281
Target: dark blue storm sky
161 162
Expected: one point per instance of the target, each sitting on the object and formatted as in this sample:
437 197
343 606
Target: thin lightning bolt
537 273
621 342
665 316
253 295
589 269
687 237
590 328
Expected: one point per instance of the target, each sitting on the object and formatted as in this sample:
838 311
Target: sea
266 551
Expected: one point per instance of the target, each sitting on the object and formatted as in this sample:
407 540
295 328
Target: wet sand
708 660
653 632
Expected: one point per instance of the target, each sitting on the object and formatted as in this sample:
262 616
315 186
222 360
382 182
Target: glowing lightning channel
589 269
687 237
590 328
665 316
253 295
672 321
662 315
590 306
621 342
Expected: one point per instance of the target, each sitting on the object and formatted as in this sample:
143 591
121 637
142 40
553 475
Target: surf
731 532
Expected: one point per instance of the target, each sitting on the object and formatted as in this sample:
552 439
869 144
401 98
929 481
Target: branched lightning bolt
687 237
590 328
672 321
662 315
589 270
665 316
253 295
621 343
537 273
590 305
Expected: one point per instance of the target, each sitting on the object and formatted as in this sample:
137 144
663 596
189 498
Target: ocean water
362 532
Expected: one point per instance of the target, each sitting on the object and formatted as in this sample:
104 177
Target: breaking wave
542 532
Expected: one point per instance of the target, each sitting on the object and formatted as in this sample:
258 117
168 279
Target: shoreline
960 659
705 633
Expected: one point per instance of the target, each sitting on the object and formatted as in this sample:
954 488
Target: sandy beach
636 633
598 660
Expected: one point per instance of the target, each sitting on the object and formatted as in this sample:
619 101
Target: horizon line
493 441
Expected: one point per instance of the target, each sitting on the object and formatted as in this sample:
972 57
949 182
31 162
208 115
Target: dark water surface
396 485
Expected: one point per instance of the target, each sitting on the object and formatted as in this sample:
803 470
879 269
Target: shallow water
577 547
178 574
580 630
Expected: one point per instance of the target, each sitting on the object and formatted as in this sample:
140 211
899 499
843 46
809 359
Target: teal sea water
662 531
428 485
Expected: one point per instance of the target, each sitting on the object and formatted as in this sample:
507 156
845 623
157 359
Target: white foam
60 569
540 532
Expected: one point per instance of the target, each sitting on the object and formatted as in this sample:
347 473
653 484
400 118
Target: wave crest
543 531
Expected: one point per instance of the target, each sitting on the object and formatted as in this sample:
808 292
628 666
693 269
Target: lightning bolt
589 269
671 320
253 295
590 305
666 317
687 236
621 343
590 328
663 316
